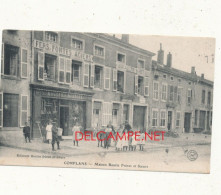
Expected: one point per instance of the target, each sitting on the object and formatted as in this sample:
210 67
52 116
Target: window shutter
24 110
114 80
1 109
175 93
40 66
24 63
68 64
86 75
61 70
2 58
146 86
107 71
92 76
106 113
136 84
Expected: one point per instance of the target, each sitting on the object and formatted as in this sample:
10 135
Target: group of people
52 134
125 143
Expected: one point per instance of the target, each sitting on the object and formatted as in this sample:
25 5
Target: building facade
94 79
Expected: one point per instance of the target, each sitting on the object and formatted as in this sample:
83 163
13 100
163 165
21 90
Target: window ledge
10 77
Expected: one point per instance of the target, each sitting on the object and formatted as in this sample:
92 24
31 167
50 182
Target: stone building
94 78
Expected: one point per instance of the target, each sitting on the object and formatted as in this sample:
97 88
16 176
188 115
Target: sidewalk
91 147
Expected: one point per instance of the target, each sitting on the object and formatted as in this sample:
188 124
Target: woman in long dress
76 136
49 132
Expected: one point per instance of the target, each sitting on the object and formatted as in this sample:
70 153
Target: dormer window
121 58
77 44
51 36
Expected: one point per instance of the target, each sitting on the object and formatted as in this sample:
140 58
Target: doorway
64 120
138 117
187 120
169 121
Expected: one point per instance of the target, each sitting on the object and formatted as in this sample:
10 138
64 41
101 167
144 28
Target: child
119 141
49 132
26 131
142 140
76 128
134 141
125 140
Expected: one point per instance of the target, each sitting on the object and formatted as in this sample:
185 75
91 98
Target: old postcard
106 101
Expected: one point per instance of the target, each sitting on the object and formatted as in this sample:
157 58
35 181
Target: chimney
125 38
202 76
169 59
193 70
160 56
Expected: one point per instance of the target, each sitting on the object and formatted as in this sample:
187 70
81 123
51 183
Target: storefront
64 106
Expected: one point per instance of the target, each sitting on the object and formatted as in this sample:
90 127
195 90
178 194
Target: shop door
64 118
169 121
187 120
138 117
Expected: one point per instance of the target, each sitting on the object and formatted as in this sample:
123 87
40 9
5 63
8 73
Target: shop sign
61 95
54 48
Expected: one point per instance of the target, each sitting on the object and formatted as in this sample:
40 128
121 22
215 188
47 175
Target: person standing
49 131
76 136
26 132
109 129
55 136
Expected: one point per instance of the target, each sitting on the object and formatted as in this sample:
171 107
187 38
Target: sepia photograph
106 101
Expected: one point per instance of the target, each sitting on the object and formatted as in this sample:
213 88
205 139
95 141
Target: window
121 58
77 44
120 81
171 78
173 93
155 90
179 95
98 76
125 112
163 118
140 64
76 72
164 92
24 110
178 119
196 118
209 98
98 51
11 60
164 76
10 110
51 36
49 67
189 96
96 114
154 118
140 85
115 113
203 96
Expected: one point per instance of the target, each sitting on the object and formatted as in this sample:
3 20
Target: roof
122 43
180 73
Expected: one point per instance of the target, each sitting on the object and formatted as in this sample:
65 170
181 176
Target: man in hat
55 136
26 132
